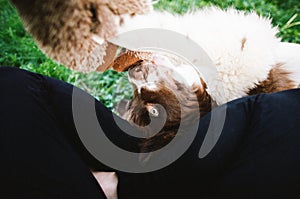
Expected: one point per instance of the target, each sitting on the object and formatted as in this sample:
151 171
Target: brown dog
247 56
174 93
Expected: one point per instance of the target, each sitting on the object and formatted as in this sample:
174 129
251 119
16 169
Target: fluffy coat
248 56
244 47
72 32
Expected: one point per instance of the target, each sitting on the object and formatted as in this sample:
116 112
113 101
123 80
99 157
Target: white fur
220 33
149 85
182 73
189 74
289 55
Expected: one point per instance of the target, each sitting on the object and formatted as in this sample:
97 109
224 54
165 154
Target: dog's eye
153 112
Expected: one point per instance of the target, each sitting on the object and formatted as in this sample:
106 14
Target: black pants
257 155
38 160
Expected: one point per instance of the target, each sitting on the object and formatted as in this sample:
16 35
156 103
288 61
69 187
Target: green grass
18 49
279 10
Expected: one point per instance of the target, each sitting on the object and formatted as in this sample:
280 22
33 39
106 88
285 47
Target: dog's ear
197 88
152 144
127 59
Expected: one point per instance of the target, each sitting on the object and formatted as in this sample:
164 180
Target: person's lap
36 159
42 155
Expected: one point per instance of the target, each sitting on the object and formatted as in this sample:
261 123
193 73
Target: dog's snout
136 72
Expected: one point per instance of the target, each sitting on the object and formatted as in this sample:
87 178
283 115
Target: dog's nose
136 72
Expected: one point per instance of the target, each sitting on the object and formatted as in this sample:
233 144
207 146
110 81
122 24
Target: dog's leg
278 80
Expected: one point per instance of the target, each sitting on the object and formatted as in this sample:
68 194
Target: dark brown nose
136 72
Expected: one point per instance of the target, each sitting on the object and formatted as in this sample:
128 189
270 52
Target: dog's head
165 91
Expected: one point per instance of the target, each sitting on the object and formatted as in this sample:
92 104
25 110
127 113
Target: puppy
248 57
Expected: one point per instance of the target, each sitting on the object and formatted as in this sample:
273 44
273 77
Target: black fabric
37 161
257 155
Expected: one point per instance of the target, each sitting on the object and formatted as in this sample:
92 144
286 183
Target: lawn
18 49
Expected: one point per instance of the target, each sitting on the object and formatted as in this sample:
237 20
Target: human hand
108 182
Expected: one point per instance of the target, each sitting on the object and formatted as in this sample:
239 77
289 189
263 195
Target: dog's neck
195 81
206 103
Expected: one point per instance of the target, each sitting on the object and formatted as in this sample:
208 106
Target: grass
17 48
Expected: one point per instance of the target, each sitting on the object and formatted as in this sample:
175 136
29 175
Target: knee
15 78
11 73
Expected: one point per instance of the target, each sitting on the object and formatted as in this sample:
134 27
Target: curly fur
243 47
66 30
248 56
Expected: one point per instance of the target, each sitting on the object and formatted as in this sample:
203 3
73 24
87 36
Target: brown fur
64 30
125 60
244 40
137 113
185 113
277 80
166 135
